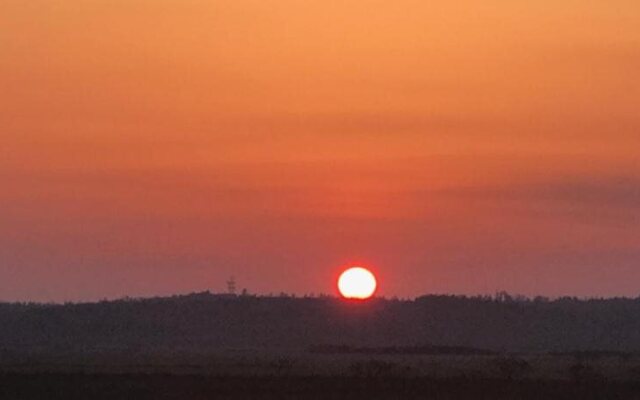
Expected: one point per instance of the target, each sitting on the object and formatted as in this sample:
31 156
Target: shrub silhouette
373 368
581 372
512 367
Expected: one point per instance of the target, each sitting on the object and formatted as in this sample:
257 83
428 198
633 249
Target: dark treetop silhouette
207 322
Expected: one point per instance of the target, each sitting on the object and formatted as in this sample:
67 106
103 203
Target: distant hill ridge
203 322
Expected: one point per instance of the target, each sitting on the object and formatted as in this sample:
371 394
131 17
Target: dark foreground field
206 346
194 387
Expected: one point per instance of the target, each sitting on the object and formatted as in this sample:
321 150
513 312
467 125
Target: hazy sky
159 146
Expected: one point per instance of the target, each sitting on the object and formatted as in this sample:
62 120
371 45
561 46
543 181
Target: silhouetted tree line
208 322
400 350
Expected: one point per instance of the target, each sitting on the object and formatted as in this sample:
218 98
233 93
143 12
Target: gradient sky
152 147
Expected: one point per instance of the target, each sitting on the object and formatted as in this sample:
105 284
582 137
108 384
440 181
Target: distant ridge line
400 350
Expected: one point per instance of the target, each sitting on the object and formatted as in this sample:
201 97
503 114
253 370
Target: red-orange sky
153 147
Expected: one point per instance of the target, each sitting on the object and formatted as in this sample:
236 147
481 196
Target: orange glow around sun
357 283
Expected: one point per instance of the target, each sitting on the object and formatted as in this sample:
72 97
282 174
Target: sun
357 283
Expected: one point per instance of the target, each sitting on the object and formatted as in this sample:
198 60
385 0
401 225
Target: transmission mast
231 286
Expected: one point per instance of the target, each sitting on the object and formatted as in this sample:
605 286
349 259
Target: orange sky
160 146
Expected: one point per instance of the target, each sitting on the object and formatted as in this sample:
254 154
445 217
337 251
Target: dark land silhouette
205 345
198 387
207 322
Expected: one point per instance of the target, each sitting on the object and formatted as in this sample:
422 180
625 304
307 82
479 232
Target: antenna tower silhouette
231 285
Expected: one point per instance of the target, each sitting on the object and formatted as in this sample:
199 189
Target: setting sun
357 283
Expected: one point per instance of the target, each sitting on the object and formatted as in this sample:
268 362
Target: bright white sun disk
357 283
